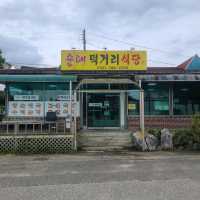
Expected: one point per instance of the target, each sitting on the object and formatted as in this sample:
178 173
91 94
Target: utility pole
84 40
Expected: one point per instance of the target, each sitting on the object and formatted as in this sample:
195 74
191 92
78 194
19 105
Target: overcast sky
35 31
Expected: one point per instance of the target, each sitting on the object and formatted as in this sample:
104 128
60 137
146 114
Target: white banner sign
26 97
26 108
64 98
61 108
39 108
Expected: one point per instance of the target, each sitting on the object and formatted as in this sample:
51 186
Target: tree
196 127
2 59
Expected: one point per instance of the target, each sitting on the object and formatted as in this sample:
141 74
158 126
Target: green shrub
183 138
196 127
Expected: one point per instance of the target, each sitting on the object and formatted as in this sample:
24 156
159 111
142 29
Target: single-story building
104 99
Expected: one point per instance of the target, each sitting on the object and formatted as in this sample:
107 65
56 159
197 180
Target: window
156 98
53 90
133 102
45 91
186 98
25 89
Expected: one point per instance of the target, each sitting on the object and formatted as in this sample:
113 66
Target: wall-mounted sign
40 108
26 108
95 105
64 97
103 60
26 97
131 106
62 109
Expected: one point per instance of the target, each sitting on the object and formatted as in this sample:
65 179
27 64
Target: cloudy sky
34 31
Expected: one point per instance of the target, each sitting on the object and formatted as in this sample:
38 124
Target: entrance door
103 110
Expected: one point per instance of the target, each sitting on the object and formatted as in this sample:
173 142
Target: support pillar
75 120
70 97
142 115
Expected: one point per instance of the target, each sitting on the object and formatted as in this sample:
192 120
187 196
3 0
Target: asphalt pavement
85 176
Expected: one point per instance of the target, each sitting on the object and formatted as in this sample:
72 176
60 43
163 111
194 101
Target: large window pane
133 102
156 98
53 90
25 89
186 98
45 91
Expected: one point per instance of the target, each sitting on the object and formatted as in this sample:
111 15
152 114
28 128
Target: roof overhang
107 81
171 77
5 78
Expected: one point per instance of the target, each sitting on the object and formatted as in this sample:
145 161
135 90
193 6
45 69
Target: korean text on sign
103 60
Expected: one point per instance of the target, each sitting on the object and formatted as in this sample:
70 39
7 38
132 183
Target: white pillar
122 109
6 100
142 114
75 116
70 97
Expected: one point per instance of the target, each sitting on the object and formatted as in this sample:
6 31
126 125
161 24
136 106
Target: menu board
62 108
26 108
40 108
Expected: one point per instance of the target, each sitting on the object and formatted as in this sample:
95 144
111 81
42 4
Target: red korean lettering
80 59
125 59
135 58
69 60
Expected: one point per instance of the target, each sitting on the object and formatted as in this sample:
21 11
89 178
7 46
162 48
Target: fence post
70 97
75 121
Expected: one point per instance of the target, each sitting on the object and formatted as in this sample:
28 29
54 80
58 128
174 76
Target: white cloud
42 28
17 50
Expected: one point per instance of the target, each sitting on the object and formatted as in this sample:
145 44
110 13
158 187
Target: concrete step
103 142
100 140
104 148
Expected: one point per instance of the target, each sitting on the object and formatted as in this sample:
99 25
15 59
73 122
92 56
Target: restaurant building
95 91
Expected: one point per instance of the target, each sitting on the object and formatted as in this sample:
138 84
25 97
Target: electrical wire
133 44
98 47
150 60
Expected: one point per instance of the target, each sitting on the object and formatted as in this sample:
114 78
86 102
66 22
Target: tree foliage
2 59
196 127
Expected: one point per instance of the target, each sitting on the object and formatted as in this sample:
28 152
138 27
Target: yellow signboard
72 60
131 106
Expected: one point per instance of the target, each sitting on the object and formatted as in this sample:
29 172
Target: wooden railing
30 128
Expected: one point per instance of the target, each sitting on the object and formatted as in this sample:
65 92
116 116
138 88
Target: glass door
103 110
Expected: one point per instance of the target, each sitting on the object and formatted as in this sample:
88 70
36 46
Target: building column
70 97
6 100
142 114
171 100
122 109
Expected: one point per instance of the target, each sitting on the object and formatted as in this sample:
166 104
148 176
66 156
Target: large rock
166 139
138 140
151 142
